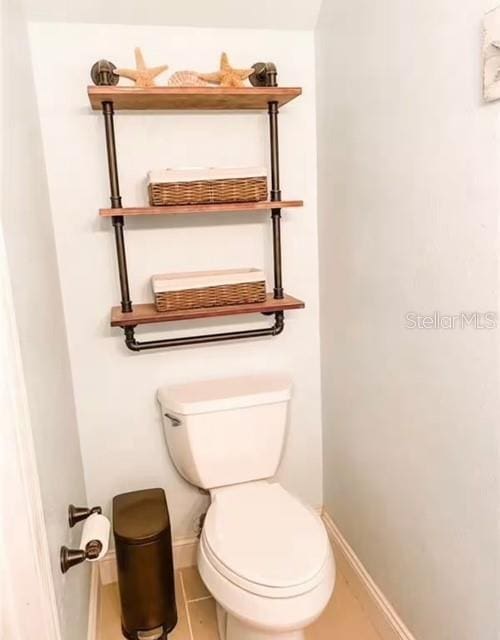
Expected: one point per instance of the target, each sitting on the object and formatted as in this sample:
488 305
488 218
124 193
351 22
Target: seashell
186 79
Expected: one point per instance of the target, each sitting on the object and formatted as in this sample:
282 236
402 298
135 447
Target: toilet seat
265 541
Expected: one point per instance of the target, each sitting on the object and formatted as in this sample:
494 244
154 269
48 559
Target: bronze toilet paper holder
71 557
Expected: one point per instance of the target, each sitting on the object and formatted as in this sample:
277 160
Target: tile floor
343 619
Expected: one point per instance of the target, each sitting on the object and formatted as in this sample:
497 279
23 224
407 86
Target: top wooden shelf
190 98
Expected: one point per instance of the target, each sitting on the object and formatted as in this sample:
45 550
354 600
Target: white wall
258 14
28 232
409 198
120 423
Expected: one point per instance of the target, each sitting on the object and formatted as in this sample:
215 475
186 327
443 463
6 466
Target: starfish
143 77
226 76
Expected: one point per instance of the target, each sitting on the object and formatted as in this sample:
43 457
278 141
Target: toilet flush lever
175 421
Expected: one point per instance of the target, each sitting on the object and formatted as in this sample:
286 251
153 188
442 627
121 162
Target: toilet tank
229 431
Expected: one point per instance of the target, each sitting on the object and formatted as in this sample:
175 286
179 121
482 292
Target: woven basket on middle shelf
206 186
177 291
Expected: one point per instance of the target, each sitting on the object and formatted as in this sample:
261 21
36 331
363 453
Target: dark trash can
143 540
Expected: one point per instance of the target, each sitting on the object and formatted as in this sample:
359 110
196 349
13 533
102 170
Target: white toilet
264 556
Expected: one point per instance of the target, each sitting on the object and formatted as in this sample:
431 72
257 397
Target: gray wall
409 195
30 244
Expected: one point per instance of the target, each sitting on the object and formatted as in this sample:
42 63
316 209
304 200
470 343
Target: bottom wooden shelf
147 314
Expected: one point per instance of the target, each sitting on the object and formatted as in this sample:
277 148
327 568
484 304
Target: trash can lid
140 516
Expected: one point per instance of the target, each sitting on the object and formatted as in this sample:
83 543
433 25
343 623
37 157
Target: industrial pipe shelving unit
265 94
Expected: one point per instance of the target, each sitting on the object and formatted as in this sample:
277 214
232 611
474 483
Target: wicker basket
177 291
206 186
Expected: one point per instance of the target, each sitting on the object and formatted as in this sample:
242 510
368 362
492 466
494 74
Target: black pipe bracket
135 345
264 75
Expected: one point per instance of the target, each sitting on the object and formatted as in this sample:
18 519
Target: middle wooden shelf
235 207
147 313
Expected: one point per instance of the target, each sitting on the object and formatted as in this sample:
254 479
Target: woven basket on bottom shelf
218 296
208 191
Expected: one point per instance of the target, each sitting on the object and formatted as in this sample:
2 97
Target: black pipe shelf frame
264 80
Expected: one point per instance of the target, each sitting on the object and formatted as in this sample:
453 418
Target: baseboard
184 556
381 613
94 602
185 552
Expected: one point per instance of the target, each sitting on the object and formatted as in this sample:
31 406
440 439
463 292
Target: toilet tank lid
225 394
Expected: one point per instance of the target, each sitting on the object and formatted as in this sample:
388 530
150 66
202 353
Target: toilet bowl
267 561
263 554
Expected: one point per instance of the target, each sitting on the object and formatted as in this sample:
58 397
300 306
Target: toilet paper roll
96 527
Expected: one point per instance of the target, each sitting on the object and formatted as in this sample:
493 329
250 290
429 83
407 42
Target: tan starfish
226 76
143 77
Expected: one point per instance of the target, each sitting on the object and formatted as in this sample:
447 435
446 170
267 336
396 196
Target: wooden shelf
147 314
239 207
191 98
